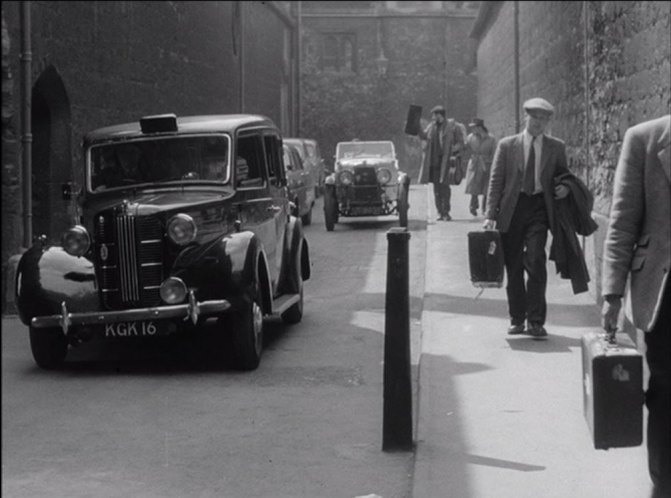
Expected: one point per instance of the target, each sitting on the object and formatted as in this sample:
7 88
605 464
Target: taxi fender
295 240
225 268
47 276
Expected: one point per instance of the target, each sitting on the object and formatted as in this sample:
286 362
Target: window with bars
339 52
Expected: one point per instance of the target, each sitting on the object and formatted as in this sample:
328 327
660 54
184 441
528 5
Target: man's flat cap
438 108
539 104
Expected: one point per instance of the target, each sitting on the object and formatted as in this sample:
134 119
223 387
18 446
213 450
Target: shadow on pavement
442 458
568 315
553 344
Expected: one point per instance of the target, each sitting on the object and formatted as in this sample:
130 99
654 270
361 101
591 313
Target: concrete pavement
502 416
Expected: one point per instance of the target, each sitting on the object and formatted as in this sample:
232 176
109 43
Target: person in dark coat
444 138
520 204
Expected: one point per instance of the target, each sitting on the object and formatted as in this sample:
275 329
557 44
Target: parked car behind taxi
309 151
300 183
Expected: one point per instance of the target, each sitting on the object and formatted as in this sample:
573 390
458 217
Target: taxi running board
284 302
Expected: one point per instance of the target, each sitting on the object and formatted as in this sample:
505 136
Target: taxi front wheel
49 347
247 326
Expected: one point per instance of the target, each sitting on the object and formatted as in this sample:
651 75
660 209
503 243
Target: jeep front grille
132 272
365 176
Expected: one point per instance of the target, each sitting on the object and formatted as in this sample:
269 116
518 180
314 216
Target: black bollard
397 419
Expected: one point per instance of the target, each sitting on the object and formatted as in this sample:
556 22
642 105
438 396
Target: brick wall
111 62
604 65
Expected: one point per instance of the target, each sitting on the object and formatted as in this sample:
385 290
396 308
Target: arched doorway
51 153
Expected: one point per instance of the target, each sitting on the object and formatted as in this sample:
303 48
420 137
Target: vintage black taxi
366 181
179 221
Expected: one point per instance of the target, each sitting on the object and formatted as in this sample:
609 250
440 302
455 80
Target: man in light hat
520 206
444 139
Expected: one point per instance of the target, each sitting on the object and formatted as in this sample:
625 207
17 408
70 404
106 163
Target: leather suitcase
485 258
413 121
612 391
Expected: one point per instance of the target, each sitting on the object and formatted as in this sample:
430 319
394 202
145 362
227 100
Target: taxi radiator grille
133 271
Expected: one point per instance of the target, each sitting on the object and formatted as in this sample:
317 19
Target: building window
339 52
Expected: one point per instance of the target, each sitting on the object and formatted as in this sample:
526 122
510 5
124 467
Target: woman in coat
480 148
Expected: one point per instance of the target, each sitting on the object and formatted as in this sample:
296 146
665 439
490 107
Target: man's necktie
529 171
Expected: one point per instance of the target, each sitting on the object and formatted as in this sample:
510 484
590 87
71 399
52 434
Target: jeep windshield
350 150
182 160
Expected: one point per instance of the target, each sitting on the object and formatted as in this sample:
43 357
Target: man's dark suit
524 221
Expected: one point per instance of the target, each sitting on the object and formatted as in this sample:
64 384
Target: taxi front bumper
191 310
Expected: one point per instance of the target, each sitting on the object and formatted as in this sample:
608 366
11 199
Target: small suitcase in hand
612 391
485 258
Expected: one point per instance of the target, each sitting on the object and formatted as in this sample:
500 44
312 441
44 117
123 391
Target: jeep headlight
346 177
383 176
182 229
76 241
173 290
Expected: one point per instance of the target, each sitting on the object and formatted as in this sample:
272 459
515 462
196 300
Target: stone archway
51 153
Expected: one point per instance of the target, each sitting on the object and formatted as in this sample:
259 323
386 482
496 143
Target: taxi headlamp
76 241
173 290
182 229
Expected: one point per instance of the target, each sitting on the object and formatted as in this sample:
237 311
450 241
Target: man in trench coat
444 138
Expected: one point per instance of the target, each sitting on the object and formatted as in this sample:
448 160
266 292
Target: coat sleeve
626 215
496 181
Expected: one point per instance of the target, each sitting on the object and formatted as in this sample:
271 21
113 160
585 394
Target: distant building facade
364 63
99 63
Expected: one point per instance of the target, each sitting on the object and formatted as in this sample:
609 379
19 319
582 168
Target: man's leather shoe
516 330
474 211
447 217
537 331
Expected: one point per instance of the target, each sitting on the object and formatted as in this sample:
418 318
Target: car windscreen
160 160
347 150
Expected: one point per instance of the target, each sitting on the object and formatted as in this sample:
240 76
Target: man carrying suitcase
520 206
638 246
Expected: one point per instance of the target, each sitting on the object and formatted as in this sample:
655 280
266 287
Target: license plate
139 328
